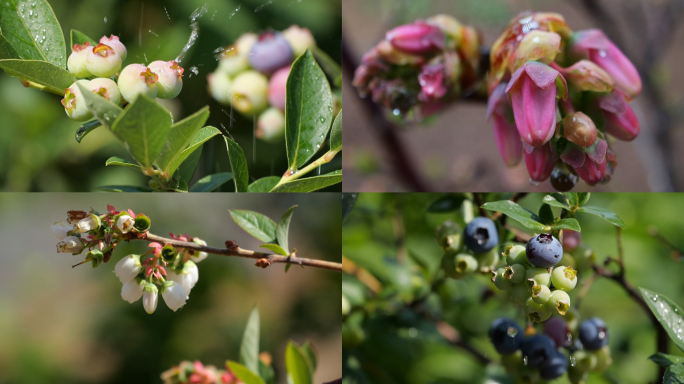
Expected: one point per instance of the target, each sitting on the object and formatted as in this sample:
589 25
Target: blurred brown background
456 151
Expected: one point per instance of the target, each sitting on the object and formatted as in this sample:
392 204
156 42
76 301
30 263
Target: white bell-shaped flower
70 244
199 256
125 223
90 223
174 295
187 277
133 290
128 268
61 229
150 298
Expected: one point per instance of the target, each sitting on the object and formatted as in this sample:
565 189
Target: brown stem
338 381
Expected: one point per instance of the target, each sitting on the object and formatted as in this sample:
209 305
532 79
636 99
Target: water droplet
396 112
105 19
150 31
573 361
525 360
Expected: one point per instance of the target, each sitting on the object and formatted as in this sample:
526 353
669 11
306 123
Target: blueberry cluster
561 348
473 250
98 67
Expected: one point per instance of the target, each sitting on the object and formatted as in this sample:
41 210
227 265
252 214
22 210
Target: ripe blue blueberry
544 251
554 367
593 334
537 350
270 53
481 235
506 335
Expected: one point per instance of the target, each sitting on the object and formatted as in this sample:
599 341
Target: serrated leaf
568 223
665 360
308 110
211 182
275 248
238 163
674 374
526 217
55 79
143 128
329 66
546 215
122 188
336 133
181 136
668 313
86 129
249 348
244 374
78 37
263 185
104 111
33 30
603 213
7 51
311 184
120 162
256 224
556 200
448 203
284 228
297 367
187 168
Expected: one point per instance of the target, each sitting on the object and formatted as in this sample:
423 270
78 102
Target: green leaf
121 162
283 229
7 51
33 30
526 217
190 153
668 314
256 224
265 184
674 374
665 360
308 110
287 267
249 348
181 136
143 127
275 248
568 223
329 66
336 133
348 202
604 214
266 372
311 353
556 200
187 168
311 184
104 111
78 37
546 215
572 198
238 164
244 374
122 188
448 203
583 198
54 78
211 182
297 366
86 129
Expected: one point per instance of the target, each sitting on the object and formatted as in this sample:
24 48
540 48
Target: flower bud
133 290
621 121
61 229
450 26
114 42
277 88
70 244
170 78
150 298
76 63
174 295
417 38
95 256
199 256
585 75
432 83
90 223
594 45
106 88
128 268
539 162
537 46
579 129
389 53
591 172
125 223
270 53
506 135
271 125
74 104
249 93
299 38
137 79
103 61
187 277
220 87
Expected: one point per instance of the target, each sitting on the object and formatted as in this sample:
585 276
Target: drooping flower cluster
98 68
188 372
163 269
557 97
419 68
252 75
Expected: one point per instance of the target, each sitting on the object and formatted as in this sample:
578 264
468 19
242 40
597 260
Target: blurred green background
38 151
387 234
64 325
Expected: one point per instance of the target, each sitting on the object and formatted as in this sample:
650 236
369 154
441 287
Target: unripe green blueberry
520 293
299 38
220 87
513 362
74 104
488 261
235 58
114 42
603 359
536 313
170 78
464 263
572 319
584 256
136 80
76 64
346 307
585 361
564 278
106 88
271 125
500 281
449 236
541 294
249 93
515 273
103 61
536 276
568 260
577 376
449 265
559 302
515 254
244 43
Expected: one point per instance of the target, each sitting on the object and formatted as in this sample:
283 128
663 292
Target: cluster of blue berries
562 347
476 249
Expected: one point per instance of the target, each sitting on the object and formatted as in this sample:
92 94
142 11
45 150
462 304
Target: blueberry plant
97 83
556 97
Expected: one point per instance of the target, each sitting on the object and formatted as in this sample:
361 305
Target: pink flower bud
431 80
505 133
276 88
587 76
533 90
419 37
621 121
76 64
539 162
592 172
594 45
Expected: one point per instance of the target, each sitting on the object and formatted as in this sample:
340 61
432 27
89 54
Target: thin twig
621 250
655 233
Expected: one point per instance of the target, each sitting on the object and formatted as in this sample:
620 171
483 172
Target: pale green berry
249 93
136 80
449 265
488 261
515 273
520 293
585 361
244 43
568 261
564 278
539 276
603 359
464 263
106 88
541 294
500 281
103 61
515 254
233 60
559 302
271 125
114 42
513 362
74 104
584 256
76 64
170 76
300 39
536 313
220 87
